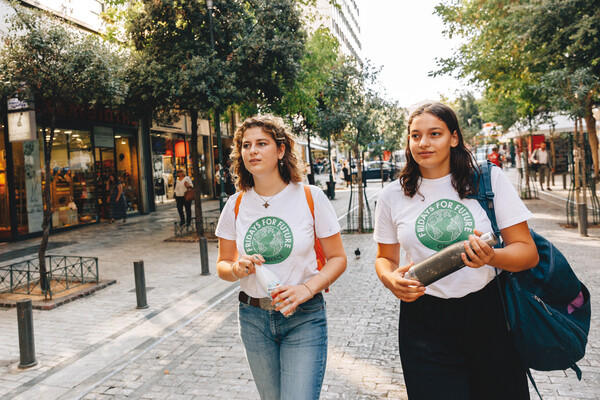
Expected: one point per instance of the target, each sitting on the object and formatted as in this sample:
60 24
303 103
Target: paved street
186 346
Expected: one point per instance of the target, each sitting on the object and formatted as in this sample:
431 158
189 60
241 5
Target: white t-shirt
283 233
425 226
542 156
180 187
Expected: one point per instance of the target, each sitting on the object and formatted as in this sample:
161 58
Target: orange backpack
321 260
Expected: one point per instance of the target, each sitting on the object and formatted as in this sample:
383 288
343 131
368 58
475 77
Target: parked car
374 169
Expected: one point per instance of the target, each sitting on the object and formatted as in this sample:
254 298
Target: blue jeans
287 356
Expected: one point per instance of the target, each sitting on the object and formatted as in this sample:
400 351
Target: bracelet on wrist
325 276
312 294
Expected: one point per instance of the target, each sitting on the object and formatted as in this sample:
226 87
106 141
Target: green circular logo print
443 223
271 237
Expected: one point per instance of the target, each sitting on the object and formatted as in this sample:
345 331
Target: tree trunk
44 281
311 175
361 204
196 174
590 123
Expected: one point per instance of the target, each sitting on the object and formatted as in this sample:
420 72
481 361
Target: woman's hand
245 265
477 252
290 294
405 289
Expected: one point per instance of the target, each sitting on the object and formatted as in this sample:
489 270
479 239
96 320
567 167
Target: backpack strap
238 201
321 260
485 196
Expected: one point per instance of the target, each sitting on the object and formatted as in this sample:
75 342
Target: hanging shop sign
103 137
21 126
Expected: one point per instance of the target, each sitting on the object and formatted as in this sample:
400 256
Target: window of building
73 190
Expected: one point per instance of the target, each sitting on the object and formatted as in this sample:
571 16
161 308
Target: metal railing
63 273
209 224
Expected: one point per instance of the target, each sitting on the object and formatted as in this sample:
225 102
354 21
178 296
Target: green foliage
468 113
499 107
348 104
302 98
570 91
58 64
510 46
257 48
391 128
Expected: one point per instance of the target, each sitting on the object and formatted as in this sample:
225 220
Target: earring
281 163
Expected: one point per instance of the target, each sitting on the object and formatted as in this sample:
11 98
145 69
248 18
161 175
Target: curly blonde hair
290 167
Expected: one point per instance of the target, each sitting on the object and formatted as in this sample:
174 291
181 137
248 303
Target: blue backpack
547 307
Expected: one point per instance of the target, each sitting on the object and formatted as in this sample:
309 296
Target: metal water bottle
269 281
444 262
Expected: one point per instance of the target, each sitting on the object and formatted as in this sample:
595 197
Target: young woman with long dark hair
453 337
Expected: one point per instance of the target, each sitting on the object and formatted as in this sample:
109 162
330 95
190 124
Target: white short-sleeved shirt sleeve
425 224
283 233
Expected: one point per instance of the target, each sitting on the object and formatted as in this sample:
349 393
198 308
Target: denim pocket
312 306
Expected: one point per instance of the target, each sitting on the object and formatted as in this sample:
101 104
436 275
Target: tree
45 60
509 46
301 101
249 53
391 129
348 113
469 115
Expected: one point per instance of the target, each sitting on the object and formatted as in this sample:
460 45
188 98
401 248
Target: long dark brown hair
462 163
290 167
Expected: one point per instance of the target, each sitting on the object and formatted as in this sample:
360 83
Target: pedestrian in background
453 337
543 159
182 185
494 157
116 199
273 228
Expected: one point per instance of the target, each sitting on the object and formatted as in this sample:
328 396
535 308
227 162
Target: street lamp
222 195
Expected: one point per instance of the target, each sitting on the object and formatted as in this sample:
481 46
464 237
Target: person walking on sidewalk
118 204
272 227
453 338
182 185
495 157
545 164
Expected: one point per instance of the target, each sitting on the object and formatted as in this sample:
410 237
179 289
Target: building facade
343 22
89 146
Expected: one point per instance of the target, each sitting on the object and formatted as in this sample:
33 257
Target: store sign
103 137
21 126
15 104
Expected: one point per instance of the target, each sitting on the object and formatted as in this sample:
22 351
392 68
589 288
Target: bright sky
405 37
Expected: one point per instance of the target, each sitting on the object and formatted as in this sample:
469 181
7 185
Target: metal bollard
582 219
140 284
26 341
204 255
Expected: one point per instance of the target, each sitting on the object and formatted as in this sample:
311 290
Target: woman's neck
269 187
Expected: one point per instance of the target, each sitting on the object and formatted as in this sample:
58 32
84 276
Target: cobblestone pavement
186 345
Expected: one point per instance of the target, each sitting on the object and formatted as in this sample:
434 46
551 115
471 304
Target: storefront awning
313 146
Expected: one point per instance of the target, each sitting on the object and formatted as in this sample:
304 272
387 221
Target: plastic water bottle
269 281
444 262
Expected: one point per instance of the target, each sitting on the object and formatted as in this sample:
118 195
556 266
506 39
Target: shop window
127 161
24 223
73 190
4 206
104 166
158 151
